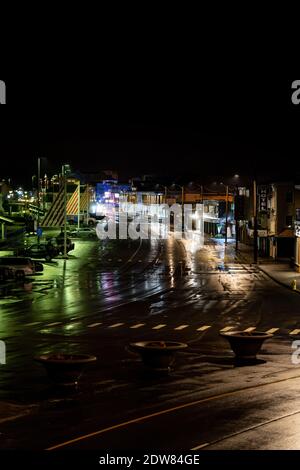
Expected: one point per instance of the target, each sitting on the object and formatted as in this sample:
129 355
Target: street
109 294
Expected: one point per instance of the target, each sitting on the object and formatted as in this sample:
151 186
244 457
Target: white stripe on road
139 325
204 328
272 331
200 447
158 327
249 330
228 328
181 327
34 323
295 332
54 324
116 325
92 325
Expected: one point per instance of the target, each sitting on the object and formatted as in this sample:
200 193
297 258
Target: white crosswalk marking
249 330
204 328
116 325
139 325
54 324
295 332
93 325
158 327
228 328
272 331
181 327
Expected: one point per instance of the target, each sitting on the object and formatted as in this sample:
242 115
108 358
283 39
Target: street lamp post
65 210
226 215
38 200
182 202
255 247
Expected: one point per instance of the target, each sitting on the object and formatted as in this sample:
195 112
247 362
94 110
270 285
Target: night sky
193 134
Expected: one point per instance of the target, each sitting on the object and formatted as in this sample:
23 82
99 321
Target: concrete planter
246 346
65 369
158 355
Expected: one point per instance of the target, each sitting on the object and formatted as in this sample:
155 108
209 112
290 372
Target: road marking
92 325
139 325
116 325
54 324
109 259
201 446
204 328
140 260
249 330
272 331
33 323
120 260
158 327
167 411
228 328
295 332
181 327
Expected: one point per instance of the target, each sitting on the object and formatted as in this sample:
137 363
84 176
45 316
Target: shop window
298 214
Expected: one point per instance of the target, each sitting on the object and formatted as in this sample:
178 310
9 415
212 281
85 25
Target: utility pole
255 248
226 220
65 210
236 221
78 215
182 203
38 199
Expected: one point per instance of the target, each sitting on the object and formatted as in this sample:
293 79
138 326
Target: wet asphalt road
109 294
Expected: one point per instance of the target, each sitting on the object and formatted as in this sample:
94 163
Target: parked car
38 266
5 273
45 251
19 266
84 232
59 243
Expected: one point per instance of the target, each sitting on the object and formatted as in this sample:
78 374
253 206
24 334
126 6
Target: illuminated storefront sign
297 229
263 199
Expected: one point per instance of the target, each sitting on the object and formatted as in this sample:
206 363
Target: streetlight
65 170
182 200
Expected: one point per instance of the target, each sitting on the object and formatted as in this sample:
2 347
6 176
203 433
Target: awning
287 233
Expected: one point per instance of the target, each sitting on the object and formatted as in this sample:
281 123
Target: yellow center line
139 325
167 411
204 328
249 330
158 327
181 327
228 328
272 331
295 332
116 325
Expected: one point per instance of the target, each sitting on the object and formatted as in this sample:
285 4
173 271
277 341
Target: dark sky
189 133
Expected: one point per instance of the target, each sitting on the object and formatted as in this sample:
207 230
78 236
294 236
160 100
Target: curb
282 284
297 291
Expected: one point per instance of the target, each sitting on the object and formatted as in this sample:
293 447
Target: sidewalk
279 271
